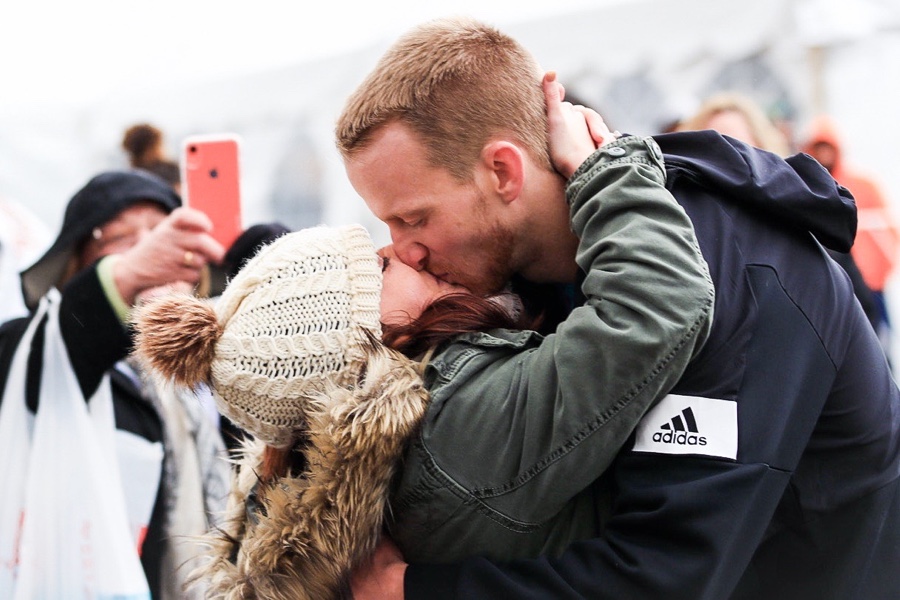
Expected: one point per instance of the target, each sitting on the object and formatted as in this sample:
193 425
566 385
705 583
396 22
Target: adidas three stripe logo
678 424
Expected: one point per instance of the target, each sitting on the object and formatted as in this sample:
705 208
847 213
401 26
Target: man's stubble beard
497 243
499 270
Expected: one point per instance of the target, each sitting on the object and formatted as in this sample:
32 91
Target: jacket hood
796 191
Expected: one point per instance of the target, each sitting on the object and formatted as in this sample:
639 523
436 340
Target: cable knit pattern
297 315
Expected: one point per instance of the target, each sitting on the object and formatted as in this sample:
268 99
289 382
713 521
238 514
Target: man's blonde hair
456 83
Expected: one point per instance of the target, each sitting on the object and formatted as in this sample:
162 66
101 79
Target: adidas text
682 438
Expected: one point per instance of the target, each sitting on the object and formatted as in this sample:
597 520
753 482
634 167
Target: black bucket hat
97 203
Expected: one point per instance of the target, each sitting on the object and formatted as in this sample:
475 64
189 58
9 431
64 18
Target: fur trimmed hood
308 533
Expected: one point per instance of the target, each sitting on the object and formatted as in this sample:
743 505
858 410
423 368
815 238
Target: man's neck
546 239
550 254
553 263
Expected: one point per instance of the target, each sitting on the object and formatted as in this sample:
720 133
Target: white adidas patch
689 425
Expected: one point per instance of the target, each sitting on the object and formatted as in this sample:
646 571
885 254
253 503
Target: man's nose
413 254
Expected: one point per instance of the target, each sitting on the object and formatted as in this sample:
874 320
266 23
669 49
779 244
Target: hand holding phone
211 182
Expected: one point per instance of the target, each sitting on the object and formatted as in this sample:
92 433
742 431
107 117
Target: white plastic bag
75 540
15 447
140 467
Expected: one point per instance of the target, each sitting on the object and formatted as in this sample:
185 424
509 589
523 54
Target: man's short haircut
456 83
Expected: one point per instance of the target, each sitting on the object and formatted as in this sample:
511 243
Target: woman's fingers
600 132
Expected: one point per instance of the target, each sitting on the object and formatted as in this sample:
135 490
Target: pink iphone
210 175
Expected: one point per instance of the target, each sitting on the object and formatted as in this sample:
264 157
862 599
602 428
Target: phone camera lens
192 149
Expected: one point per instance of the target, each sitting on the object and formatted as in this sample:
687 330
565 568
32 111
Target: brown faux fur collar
314 529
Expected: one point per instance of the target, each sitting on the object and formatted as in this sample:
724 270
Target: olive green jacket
520 427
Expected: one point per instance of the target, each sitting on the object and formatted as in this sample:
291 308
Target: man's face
451 229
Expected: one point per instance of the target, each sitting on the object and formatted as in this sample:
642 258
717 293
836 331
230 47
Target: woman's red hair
444 319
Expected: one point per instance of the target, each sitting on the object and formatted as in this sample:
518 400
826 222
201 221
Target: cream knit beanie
297 316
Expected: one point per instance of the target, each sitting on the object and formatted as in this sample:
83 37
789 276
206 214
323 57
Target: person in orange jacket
878 236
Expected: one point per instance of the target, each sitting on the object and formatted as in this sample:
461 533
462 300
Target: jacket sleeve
94 337
563 409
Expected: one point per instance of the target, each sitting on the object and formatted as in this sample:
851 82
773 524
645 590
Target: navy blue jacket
808 504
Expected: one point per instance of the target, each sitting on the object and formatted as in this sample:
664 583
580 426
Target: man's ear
505 166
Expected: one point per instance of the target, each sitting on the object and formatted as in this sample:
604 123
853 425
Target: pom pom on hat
177 336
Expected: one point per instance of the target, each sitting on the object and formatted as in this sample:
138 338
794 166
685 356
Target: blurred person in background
23 237
125 237
877 237
145 146
734 114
